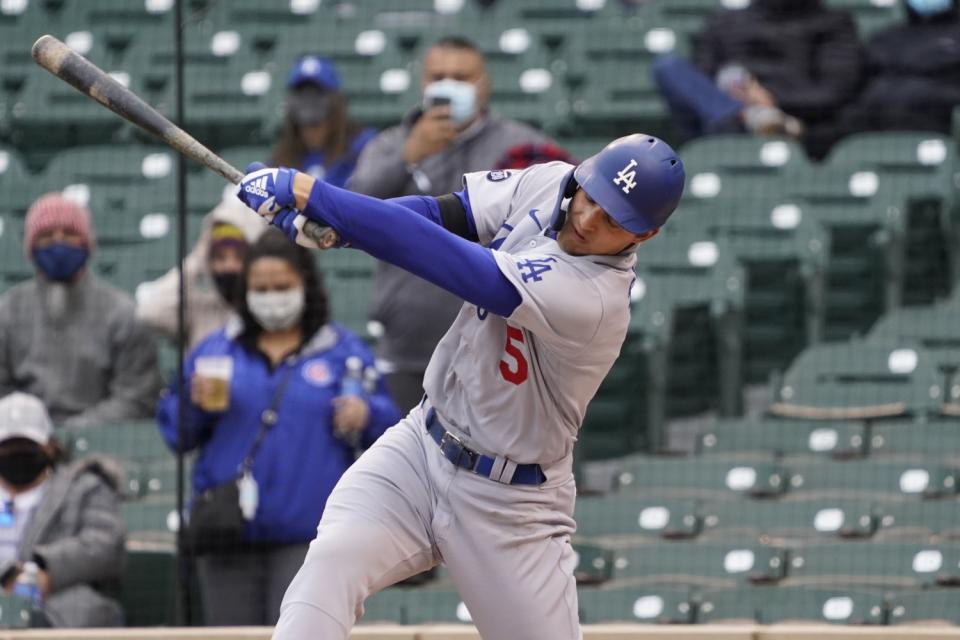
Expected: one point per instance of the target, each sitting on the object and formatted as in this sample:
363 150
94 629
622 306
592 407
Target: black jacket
806 55
913 76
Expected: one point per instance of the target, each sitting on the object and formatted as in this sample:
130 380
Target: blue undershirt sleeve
387 231
429 208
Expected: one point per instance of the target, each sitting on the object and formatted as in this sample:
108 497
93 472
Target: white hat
24 416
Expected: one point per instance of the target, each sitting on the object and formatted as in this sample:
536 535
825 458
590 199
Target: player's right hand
431 134
266 190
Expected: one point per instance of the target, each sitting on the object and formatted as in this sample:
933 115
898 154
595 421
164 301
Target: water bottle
27 584
249 493
352 383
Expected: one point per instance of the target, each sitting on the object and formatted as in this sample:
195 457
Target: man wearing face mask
63 518
68 337
213 272
450 134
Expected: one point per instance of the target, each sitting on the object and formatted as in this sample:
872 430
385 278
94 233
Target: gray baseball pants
403 508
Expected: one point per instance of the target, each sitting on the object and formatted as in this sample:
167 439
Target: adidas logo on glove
258 188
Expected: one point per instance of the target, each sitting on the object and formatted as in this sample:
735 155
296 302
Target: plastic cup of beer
218 370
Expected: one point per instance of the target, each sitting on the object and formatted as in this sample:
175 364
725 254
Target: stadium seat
125 165
785 437
436 606
15 266
655 604
138 440
927 607
873 565
348 279
151 521
126 266
699 564
387 606
858 380
919 521
632 517
786 522
699 477
16 612
935 440
771 605
148 595
594 563
241 156
869 480
933 327
13 177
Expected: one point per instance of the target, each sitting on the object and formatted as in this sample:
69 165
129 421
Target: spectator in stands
913 73
214 268
288 358
451 133
66 336
775 67
318 136
63 517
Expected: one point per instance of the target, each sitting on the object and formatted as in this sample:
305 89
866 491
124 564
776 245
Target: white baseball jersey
519 386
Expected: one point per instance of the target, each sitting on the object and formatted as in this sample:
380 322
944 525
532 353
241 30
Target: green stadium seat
151 522
126 266
633 517
785 437
699 564
594 563
113 165
583 148
159 476
873 565
771 605
701 478
13 178
617 96
348 278
387 606
529 89
241 156
859 380
786 522
869 480
138 440
738 155
16 612
919 521
15 267
916 441
927 607
149 593
655 604
436 606
933 327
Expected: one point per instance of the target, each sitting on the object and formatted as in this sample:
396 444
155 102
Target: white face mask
461 96
276 310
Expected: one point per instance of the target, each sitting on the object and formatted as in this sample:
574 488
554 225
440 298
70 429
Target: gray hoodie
78 535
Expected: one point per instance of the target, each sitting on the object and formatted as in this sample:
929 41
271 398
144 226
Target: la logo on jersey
627 176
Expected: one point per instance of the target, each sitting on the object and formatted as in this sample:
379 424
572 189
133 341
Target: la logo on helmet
627 176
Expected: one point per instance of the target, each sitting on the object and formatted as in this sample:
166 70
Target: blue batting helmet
637 180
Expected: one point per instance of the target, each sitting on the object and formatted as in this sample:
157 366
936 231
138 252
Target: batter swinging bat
86 77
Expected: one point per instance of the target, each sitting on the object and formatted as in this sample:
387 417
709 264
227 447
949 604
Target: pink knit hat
52 211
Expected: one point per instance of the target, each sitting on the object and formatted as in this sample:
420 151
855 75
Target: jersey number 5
517 372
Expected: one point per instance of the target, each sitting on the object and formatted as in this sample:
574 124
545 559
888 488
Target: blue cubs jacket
300 459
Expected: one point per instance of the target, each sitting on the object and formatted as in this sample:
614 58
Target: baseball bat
87 78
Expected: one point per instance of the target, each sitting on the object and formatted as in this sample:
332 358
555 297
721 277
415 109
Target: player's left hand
267 190
350 414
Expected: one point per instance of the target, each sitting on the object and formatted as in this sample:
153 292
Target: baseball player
479 475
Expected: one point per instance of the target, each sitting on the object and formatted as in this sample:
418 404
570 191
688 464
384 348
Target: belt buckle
450 442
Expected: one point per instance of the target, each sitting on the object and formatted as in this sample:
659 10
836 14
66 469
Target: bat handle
325 237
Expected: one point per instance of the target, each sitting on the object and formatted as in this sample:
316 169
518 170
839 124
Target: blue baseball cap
314 70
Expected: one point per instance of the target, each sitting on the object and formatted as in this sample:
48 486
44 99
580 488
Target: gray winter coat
78 536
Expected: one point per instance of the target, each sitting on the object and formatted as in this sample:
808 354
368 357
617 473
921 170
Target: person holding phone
452 132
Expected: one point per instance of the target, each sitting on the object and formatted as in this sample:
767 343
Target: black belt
459 454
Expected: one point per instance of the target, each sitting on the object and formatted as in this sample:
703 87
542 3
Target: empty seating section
823 287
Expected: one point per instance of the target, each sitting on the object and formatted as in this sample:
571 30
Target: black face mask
23 467
228 286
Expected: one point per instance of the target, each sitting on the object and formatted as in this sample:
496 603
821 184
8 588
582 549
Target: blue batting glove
267 190
284 220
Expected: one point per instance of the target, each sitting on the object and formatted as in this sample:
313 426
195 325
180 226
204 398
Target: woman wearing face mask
61 520
319 381
212 273
318 135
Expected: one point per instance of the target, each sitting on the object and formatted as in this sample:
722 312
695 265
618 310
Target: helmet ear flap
571 188
568 192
